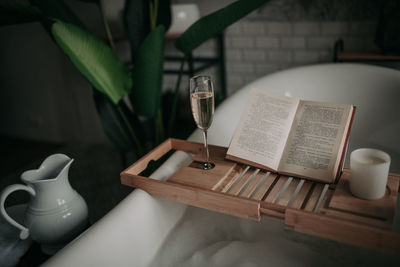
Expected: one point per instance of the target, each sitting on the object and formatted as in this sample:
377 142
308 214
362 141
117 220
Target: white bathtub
146 231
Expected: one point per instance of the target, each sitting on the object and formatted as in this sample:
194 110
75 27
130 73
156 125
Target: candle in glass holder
369 170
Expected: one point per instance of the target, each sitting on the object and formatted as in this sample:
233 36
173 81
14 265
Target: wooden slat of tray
235 189
315 194
252 186
287 195
265 186
271 197
225 189
327 199
301 197
230 178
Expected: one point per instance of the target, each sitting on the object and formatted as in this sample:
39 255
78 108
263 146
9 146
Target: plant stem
151 8
117 122
106 26
153 13
131 131
176 98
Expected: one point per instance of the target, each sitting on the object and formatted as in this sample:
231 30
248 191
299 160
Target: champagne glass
202 104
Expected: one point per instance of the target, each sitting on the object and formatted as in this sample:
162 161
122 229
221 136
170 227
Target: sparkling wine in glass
202 104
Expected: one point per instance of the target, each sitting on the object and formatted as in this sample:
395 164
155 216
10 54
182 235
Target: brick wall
257 48
258 45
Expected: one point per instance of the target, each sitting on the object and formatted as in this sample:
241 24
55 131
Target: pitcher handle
4 194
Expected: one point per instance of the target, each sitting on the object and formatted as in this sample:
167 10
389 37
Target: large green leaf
137 22
147 74
15 13
210 25
94 59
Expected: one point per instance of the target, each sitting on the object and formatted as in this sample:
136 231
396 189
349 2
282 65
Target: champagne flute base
208 165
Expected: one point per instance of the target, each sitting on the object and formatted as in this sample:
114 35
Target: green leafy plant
141 127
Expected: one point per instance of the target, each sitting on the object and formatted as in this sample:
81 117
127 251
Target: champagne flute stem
206 147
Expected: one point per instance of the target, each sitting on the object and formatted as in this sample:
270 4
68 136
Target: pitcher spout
64 172
52 168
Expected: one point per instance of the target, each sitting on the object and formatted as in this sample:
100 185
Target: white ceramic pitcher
56 213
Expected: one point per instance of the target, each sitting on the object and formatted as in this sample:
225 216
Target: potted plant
111 80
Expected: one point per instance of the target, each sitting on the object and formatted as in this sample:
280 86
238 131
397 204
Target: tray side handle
159 151
154 154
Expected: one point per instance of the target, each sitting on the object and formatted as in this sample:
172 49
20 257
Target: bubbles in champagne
202 104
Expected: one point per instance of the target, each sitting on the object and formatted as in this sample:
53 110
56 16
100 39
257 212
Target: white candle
369 169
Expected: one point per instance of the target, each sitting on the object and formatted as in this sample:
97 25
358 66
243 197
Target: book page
316 140
263 128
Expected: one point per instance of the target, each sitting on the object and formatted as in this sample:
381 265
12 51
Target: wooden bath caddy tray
324 210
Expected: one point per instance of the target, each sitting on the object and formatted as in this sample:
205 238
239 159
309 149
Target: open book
290 136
